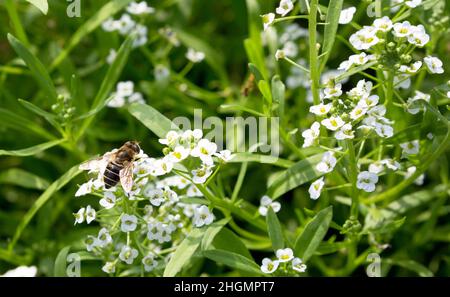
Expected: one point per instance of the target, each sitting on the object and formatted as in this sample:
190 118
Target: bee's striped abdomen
111 176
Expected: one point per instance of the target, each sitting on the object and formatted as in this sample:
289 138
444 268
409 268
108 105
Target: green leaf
37 68
23 178
42 5
237 107
60 263
410 265
211 233
233 260
51 118
108 10
44 198
332 20
264 88
278 90
274 230
298 174
184 252
13 120
311 237
228 241
258 158
152 119
32 150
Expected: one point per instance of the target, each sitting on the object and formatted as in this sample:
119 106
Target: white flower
90 214
391 164
156 196
161 167
362 89
369 101
266 202
403 29
193 191
285 255
364 38
269 266
136 98
333 91
128 223
125 88
91 243
172 138
21 271
346 15
413 3
448 94
224 155
178 154
141 31
111 56
204 150
410 171
410 148
79 216
311 134
415 108
116 102
149 262
128 254
195 56
366 181
108 201
161 72
413 68
267 20
201 175
320 109
109 25
109 267
345 132
290 49
139 8
327 163
316 188
376 167
333 123
434 64
383 24
125 24
357 112
85 188
280 54
103 237
383 130
418 37
297 264
202 216
285 7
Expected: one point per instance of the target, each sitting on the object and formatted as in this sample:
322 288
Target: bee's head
133 145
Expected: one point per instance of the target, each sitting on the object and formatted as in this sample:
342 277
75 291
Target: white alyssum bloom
200 175
269 266
357 112
364 38
224 155
171 139
413 3
357 59
85 188
320 109
285 7
103 237
149 262
333 123
311 134
410 171
109 267
79 216
369 101
434 64
111 56
346 15
204 150
410 148
203 216
413 68
156 196
128 223
125 24
128 254
415 108
290 49
298 265
383 24
109 25
376 167
195 56
125 88
267 20
280 54
21 271
418 37
345 132
327 163
284 255
362 89
109 200
178 154
139 8
141 32
391 164
403 29
316 188
266 203
333 91
366 181
90 214
161 167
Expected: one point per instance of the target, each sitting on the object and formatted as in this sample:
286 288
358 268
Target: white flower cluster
125 94
266 203
126 25
195 56
284 256
151 216
284 7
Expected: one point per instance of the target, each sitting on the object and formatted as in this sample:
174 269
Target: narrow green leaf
152 119
354 70
332 20
298 174
42 5
211 233
264 88
263 159
51 118
410 265
14 121
311 237
32 150
23 178
37 69
228 241
278 90
233 260
274 230
60 263
108 10
44 198
236 107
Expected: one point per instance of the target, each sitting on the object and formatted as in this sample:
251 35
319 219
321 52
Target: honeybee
116 166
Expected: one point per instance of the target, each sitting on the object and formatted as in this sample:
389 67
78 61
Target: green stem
352 175
313 61
15 20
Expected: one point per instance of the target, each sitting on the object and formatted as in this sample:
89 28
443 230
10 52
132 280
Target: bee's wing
126 177
96 164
